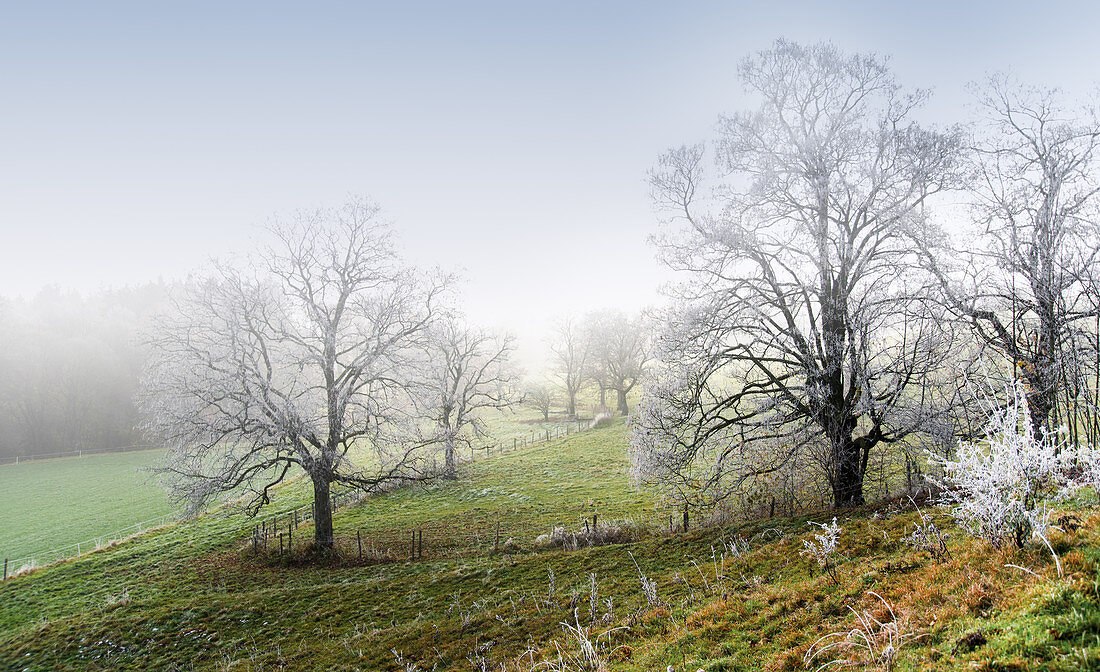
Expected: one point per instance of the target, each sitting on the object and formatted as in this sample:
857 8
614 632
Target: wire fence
268 528
20 459
72 550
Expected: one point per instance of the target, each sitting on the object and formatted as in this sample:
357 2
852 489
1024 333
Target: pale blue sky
512 139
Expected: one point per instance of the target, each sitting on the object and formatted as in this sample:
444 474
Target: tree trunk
449 470
603 396
1039 405
322 513
571 410
848 484
623 410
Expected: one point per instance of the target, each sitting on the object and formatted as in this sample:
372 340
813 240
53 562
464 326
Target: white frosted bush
823 545
1000 489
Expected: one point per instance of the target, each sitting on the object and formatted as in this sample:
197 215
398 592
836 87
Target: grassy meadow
48 504
737 597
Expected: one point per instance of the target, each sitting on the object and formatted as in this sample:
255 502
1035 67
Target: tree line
606 350
69 369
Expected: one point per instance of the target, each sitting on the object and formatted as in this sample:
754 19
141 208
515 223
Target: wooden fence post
5 569
359 540
420 544
513 443
685 518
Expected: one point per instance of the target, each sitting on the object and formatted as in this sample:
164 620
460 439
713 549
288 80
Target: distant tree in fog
618 349
539 397
310 359
469 372
569 359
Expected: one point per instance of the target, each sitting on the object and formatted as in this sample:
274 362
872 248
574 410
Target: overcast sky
509 139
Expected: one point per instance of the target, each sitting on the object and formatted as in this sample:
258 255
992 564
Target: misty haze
578 337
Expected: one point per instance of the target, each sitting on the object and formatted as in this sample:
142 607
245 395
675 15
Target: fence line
19 459
72 550
268 527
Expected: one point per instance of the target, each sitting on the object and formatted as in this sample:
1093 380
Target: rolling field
53 503
195 597
50 504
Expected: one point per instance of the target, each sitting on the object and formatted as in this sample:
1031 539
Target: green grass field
195 596
54 503
50 504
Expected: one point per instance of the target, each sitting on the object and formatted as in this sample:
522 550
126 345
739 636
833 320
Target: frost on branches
1000 489
823 546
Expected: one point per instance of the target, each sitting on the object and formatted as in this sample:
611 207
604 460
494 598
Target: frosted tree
307 359
469 374
803 330
618 350
1029 292
569 351
540 397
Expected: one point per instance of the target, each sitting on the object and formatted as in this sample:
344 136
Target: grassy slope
51 503
48 504
197 598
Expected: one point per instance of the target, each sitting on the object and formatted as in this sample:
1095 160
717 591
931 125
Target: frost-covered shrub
649 586
928 537
1000 489
823 546
610 532
601 420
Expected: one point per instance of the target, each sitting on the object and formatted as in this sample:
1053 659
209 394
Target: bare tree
618 349
803 329
470 373
541 398
569 351
307 361
1027 292
596 366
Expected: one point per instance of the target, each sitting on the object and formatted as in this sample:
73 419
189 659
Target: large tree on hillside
311 359
469 373
1028 289
803 329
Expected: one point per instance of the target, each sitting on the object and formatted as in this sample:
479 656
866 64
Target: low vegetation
486 597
